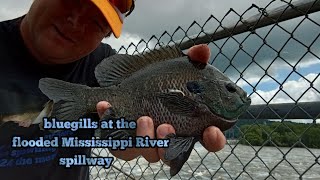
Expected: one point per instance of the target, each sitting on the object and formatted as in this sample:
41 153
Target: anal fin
178 152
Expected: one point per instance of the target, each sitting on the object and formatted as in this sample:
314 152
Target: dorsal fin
113 70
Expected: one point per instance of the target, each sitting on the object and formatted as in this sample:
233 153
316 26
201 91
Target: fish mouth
246 100
245 103
226 119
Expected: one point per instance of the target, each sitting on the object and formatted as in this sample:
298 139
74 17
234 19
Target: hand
213 138
199 53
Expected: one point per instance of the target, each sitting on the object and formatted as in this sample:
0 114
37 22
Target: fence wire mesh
274 56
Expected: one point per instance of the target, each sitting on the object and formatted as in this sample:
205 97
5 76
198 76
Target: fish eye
194 87
231 88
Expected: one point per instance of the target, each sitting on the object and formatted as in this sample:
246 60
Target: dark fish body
162 84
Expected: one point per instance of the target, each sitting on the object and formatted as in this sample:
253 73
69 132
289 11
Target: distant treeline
235 133
285 134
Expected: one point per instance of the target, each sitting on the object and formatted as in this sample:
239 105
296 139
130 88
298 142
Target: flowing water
233 162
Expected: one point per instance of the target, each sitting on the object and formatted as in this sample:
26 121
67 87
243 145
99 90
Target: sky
267 59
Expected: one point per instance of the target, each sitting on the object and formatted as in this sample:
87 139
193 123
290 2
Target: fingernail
144 123
214 134
164 131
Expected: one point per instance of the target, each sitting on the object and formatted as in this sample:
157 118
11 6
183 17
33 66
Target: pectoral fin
178 152
177 103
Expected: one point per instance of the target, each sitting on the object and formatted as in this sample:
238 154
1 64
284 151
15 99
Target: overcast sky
153 17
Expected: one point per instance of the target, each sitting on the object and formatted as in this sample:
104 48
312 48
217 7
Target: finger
213 139
162 131
199 53
102 106
145 127
127 155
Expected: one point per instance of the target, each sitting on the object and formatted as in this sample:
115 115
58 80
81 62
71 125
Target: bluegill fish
163 84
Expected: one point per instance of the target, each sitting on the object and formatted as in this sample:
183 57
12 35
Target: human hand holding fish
188 100
213 139
174 89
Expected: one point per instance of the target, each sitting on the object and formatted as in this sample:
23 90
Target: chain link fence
274 56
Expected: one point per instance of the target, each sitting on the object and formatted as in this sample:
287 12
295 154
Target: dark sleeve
19 92
83 72
103 51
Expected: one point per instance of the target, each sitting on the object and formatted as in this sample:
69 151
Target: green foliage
282 134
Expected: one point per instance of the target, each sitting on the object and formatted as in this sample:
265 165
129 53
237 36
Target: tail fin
68 98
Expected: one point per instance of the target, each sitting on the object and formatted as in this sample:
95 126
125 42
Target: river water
233 162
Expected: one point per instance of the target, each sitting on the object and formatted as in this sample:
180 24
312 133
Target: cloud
252 81
269 47
129 43
309 63
152 17
13 8
298 90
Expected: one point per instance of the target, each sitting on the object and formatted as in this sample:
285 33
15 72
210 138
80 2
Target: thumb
199 53
102 106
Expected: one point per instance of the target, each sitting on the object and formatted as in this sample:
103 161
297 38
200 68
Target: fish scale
162 84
